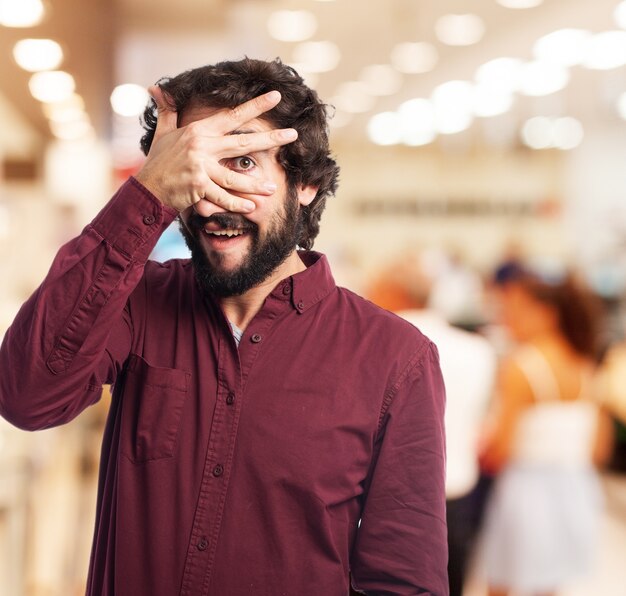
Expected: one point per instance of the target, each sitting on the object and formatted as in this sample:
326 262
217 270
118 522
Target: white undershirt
237 333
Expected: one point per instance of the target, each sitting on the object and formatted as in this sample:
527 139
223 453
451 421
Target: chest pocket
152 405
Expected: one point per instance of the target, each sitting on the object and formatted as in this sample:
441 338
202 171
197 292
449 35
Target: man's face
231 252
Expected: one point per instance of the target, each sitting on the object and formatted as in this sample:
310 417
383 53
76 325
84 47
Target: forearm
67 338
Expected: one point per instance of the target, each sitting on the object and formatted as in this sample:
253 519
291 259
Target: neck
551 342
240 310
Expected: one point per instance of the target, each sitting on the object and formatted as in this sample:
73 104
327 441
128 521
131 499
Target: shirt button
218 470
230 398
202 544
300 305
286 290
149 219
256 338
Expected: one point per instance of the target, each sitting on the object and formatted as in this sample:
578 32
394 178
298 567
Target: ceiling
108 42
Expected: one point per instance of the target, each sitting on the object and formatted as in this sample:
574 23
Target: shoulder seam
413 362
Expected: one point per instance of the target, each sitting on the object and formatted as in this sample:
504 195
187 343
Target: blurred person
269 432
545 440
468 365
457 290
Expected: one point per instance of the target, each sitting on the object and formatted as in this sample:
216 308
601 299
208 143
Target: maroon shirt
228 471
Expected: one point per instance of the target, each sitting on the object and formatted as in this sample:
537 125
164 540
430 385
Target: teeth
229 233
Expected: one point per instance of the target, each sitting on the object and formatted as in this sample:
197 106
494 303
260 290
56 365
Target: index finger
225 121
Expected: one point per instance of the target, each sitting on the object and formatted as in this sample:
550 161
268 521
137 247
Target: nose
205 208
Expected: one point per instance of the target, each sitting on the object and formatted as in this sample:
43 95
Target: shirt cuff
133 220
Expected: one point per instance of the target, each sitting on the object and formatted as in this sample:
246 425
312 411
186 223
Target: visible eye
242 164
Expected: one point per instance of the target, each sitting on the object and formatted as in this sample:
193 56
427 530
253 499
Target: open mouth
226 233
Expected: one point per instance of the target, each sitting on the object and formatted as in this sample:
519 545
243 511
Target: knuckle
261 102
229 178
196 180
193 144
234 113
243 140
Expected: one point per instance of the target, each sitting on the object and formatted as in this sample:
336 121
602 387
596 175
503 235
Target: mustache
224 220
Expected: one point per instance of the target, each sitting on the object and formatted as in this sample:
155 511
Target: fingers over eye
222 198
237 144
227 120
252 109
231 180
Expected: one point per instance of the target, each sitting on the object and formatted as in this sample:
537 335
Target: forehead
195 113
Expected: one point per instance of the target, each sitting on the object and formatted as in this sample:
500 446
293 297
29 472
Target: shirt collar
308 287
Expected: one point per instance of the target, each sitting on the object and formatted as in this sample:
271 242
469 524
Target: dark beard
262 259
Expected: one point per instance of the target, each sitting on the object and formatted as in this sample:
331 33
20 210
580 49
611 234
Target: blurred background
472 134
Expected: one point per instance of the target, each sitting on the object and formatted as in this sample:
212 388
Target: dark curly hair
579 310
307 161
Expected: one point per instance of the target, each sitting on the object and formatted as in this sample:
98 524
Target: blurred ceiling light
537 133
501 74
384 129
539 78
21 13
414 57
460 29
310 78
453 103
129 99
490 101
519 3
292 25
51 86
353 97
73 108
317 56
454 94
619 15
450 122
606 50
381 79
567 133
72 131
621 106
417 122
553 133
35 55
564 46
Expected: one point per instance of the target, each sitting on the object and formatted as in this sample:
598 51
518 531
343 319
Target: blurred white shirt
468 365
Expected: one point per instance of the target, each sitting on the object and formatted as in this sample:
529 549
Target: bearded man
269 433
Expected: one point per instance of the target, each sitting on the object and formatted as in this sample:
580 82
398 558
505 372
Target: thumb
167 118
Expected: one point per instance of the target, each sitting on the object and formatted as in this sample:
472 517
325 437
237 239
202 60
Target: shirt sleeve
74 332
401 544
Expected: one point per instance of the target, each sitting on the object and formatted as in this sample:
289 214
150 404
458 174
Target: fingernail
269 186
249 206
273 95
289 134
